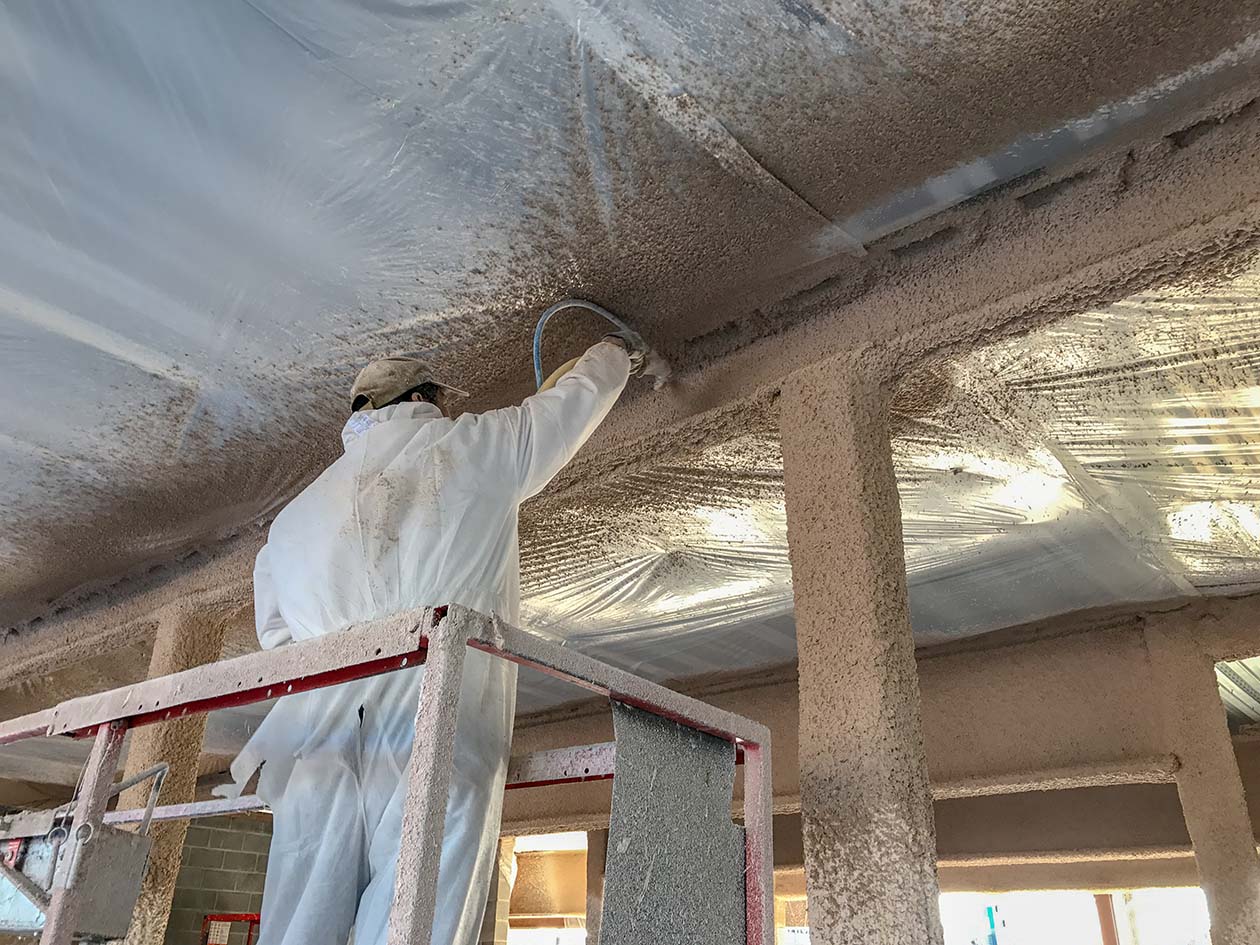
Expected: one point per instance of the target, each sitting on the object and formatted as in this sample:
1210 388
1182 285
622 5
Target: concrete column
596 859
186 637
494 926
1211 789
870 849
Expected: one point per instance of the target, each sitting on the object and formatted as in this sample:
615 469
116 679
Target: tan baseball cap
387 378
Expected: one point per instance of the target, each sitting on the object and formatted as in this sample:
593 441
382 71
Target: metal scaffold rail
438 638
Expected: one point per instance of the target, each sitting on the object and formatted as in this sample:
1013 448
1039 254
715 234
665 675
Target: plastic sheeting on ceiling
212 211
1113 457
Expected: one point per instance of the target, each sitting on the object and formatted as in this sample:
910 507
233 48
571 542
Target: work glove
635 346
643 360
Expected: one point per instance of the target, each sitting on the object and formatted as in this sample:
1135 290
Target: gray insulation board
675 870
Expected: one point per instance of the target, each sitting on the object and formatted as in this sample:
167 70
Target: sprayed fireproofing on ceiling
213 212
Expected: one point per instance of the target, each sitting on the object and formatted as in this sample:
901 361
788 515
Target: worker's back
420 510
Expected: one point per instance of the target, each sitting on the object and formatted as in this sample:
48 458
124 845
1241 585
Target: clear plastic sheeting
1110 458
1152 408
691 547
675 572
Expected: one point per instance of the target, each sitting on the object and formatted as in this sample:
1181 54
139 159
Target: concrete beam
870 848
1073 710
1121 837
47 761
1102 875
1180 196
127 616
1066 826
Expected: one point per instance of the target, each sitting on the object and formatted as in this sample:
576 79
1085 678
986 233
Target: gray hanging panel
675 873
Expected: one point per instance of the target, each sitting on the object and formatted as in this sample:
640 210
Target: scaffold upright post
89 810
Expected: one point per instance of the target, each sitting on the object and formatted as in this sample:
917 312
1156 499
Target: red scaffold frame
251 918
438 638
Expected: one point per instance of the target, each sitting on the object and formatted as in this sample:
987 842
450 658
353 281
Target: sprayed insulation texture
948 274
280 194
1107 458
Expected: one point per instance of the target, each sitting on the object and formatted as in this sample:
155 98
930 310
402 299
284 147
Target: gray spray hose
559 306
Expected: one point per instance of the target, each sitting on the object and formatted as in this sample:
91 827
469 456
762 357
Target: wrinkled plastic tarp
1113 457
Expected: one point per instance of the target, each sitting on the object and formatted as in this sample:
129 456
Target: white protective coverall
420 510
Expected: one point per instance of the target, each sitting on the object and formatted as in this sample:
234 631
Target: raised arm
553 424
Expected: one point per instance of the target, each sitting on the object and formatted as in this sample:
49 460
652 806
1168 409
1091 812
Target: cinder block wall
225 860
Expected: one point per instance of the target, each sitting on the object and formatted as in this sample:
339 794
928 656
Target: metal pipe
192 809
159 771
158 780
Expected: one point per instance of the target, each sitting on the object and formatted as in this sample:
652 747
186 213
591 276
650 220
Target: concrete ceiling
214 212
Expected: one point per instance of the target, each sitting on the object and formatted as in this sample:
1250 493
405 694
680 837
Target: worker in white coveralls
420 510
